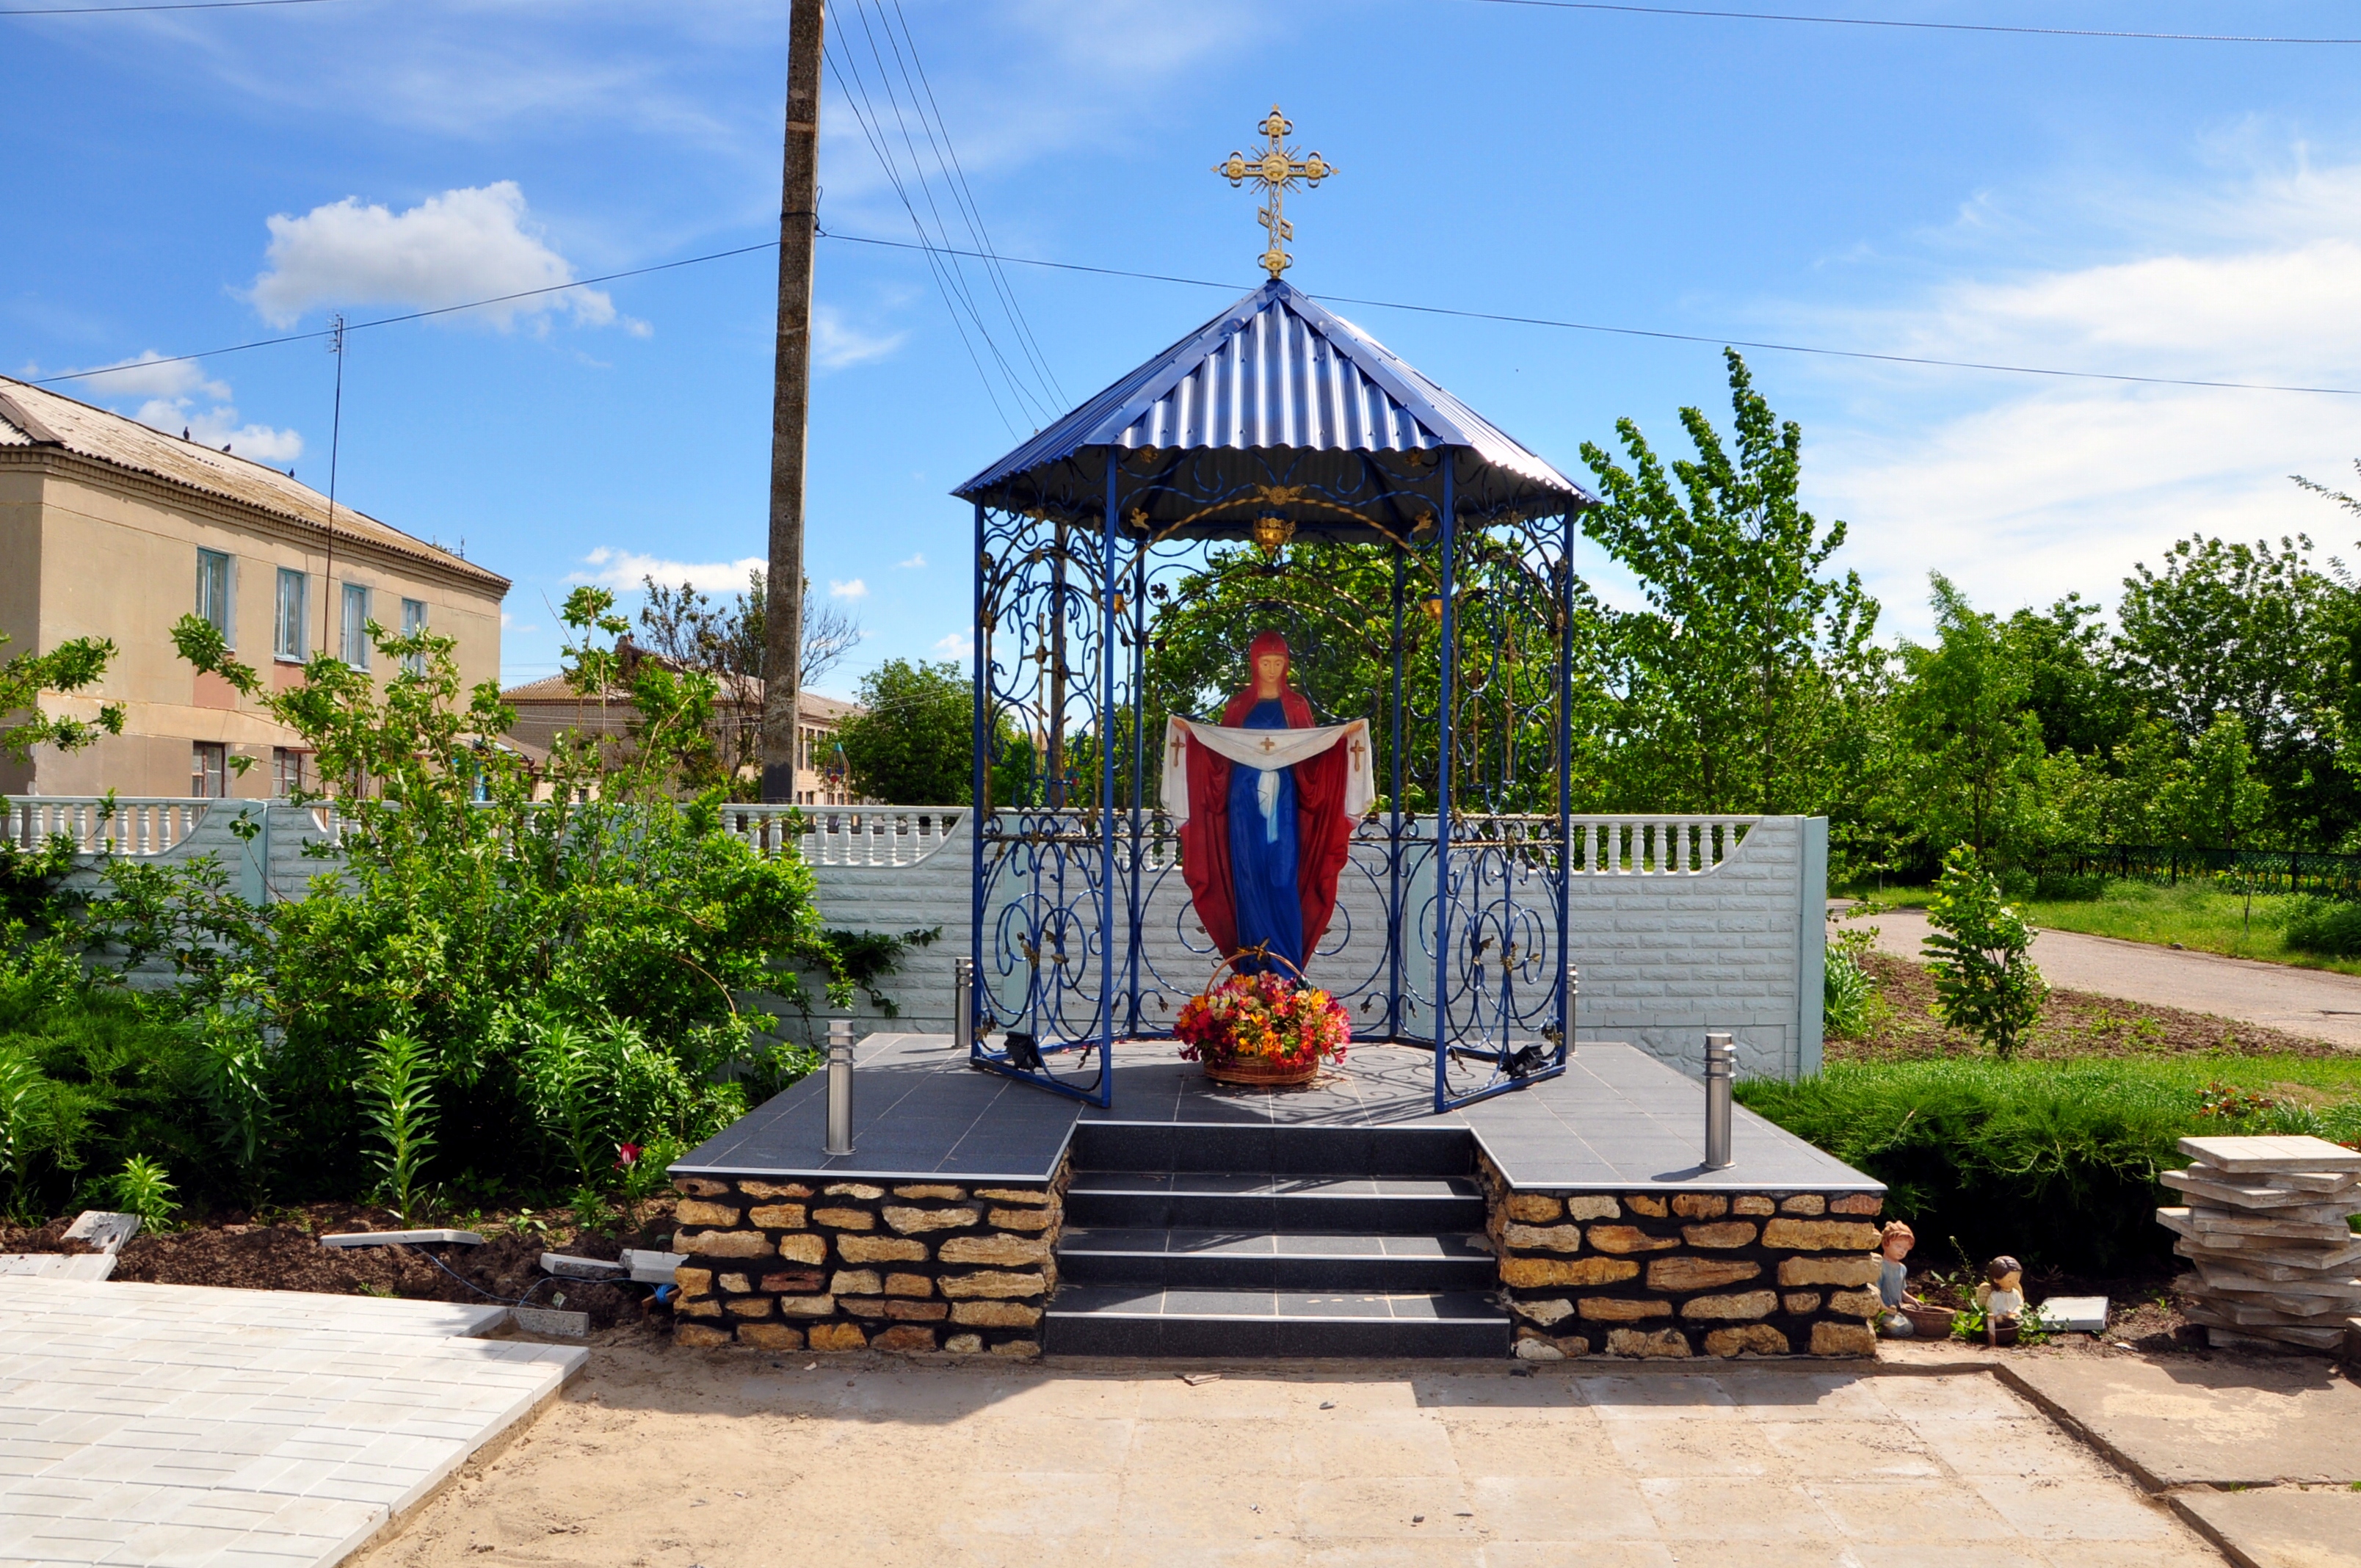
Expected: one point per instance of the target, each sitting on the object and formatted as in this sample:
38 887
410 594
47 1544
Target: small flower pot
1930 1323
1260 1072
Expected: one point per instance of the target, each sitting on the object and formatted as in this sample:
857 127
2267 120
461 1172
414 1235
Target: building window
413 621
212 593
209 769
288 773
355 649
287 639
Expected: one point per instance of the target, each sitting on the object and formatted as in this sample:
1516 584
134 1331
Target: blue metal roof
1275 374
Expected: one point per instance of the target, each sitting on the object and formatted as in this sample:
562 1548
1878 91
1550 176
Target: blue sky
179 181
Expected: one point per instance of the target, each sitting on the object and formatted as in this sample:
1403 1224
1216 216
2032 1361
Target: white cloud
836 346
177 395
958 645
149 375
855 589
219 426
913 563
472 244
627 569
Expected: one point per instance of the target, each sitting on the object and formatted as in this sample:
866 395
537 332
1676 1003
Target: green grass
2202 916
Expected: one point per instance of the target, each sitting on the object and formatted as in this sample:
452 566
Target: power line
1921 26
157 5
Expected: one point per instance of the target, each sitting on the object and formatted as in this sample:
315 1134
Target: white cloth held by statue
1267 750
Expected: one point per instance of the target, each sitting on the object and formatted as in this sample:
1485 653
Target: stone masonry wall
916 1267
1653 1274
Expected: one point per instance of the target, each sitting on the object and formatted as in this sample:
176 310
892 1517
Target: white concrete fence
1679 924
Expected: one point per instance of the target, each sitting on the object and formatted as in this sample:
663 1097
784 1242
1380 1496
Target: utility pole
782 608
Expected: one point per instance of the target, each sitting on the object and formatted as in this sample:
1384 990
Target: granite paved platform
1617 1119
176 1424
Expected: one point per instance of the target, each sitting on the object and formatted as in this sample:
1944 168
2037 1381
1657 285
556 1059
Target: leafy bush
2049 1162
1984 982
1849 1004
2328 927
144 1187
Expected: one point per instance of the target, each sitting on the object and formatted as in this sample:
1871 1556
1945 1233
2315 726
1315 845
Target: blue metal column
1394 829
1565 776
1138 611
1106 792
1448 660
979 795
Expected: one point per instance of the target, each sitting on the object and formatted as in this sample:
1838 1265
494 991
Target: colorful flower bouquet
1263 1029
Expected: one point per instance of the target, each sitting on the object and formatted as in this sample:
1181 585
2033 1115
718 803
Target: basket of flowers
1261 1028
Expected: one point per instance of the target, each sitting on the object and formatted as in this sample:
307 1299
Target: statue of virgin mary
1266 819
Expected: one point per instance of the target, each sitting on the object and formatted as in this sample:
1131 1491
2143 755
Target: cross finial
1275 172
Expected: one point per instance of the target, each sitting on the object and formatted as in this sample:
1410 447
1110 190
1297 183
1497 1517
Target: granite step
1328 1204
1214 1259
1150 1320
1265 1146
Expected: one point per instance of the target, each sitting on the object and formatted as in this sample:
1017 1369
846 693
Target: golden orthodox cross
1275 172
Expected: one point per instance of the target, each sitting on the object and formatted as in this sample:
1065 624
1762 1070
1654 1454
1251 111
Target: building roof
34 416
552 690
1275 373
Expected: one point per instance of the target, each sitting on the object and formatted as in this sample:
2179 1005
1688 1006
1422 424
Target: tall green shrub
1985 981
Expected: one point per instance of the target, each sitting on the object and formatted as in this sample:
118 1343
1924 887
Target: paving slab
2278 1527
174 1423
2224 1421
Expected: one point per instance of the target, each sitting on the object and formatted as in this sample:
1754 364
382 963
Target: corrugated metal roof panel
1277 371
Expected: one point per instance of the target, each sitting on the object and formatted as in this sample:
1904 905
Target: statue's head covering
1299 712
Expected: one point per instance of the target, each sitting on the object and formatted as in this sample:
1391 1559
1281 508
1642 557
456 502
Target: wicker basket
1257 1072
1930 1323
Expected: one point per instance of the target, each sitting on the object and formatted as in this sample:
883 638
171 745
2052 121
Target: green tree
2215 801
1978 954
1740 679
915 743
1974 742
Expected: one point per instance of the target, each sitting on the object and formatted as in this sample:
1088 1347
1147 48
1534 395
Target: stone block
916 1312
1755 1339
1021 1219
693 1281
1534 1346
754 1188
856 1282
1542 1273
845 1219
804 1248
1019 1349
770 1336
1640 1203
697 1212
1856 1203
1843 1339
837 1337
964 1286
703 1187
936 1189
793 1282
708 1307
907 1338
735 1284
964 1344
1544 1312
1721 1233
1622 1309
1828 1270
1628 1238
879 1249
1856 1303
749 1306
1802 1303
1662 1344
1593 1206
860 1190
1681 1275
1532 1208
1543 1238
724 1244
920 1221
1744 1304
1819 1236
909 1285
1006 1252
699 1336
861 1306
1700 1206
807 1306
995 1314
1804 1203
1013 1194
778 1216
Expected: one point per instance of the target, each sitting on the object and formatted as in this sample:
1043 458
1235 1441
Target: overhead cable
2110 33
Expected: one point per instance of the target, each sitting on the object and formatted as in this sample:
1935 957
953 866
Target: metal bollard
839 1086
1720 1061
1573 995
963 1005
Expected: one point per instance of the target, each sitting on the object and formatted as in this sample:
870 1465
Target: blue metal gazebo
1276 423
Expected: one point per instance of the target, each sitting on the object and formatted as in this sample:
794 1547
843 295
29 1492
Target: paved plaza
171 1424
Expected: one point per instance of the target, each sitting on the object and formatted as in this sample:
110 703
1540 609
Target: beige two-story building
110 528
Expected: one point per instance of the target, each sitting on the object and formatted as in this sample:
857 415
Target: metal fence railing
2264 871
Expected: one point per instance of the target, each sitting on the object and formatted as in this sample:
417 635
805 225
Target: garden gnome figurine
1894 1245
2002 1297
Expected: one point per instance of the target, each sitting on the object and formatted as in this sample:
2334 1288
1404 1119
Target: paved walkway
667 1460
171 1424
2311 1002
